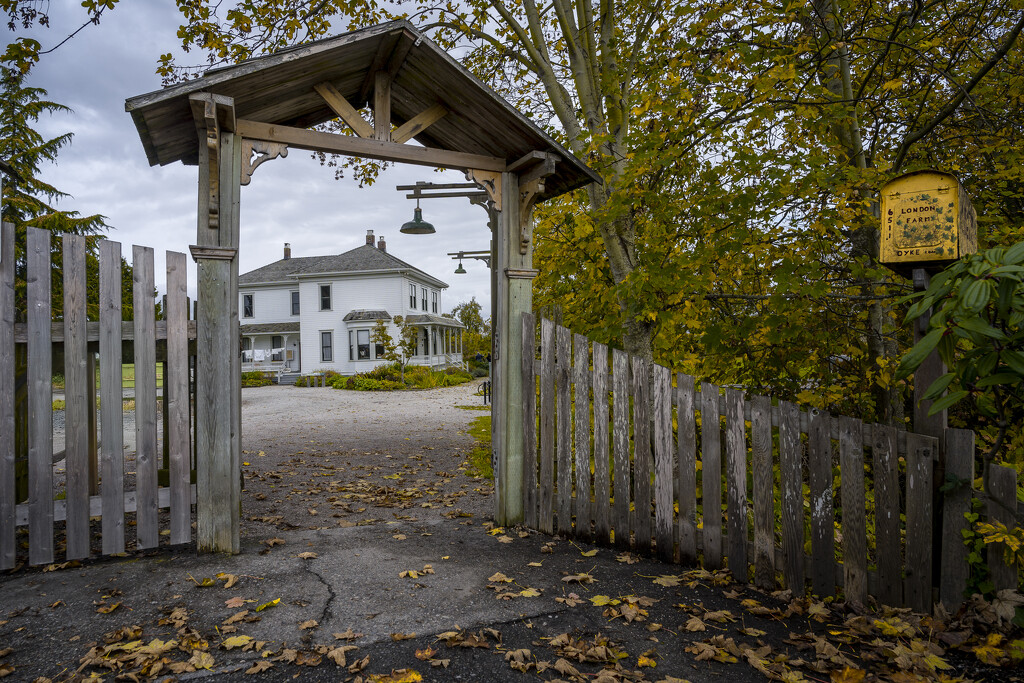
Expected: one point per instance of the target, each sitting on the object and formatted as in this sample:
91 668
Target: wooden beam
331 143
340 106
385 49
418 124
382 106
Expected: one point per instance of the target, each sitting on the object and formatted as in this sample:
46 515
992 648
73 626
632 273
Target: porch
270 347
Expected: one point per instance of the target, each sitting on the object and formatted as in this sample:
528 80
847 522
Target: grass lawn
127 377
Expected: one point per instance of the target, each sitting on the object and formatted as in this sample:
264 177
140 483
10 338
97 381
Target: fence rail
694 473
95 474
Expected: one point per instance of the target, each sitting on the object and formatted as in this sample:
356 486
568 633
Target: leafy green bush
977 327
256 379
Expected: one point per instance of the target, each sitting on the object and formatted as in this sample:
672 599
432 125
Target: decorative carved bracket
264 151
528 194
212 253
490 181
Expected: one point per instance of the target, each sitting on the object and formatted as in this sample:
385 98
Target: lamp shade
460 270
417 226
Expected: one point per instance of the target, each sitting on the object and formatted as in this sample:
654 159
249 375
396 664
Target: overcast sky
291 200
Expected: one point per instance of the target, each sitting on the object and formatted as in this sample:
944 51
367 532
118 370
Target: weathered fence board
581 416
791 479
663 463
76 398
888 552
1001 507
620 444
146 522
111 405
855 541
918 568
642 466
40 396
763 494
644 492
545 521
819 463
8 551
602 480
711 474
736 482
529 381
955 504
176 394
563 423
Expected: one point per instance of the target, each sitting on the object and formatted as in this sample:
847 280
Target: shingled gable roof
278 89
364 259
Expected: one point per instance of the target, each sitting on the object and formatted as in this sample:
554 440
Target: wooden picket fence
590 471
95 480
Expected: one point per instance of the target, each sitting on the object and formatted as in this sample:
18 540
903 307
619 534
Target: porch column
513 271
218 371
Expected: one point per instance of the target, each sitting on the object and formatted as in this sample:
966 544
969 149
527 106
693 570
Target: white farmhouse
307 314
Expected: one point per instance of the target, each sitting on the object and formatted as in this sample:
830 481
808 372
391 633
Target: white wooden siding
386 292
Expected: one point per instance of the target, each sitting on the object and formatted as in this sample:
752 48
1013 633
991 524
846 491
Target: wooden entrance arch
235 118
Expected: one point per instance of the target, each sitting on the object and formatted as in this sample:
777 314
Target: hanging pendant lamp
417 226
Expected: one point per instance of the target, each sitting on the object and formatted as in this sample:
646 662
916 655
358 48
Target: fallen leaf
306 625
266 605
396 637
107 609
349 634
235 641
307 556
234 603
261 665
271 542
236 617
645 661
201 660
229 579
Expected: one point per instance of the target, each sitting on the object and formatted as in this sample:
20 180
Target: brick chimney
287 251
381 244
369 237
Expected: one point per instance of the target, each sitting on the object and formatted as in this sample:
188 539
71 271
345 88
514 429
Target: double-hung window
295 301
363 344
412 296
326 347
276 348
248 305
423 296
433 302
325 297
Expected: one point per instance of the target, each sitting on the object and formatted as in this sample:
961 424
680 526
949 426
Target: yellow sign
927 219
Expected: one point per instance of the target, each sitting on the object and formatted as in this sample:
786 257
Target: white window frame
423 298
369 344
330 296
294 301
329 347
412 296
252 304
434 300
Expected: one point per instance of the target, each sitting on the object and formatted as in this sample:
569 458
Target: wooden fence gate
95 479
590 471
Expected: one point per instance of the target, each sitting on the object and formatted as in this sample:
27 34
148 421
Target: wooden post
77 399
514 273
218 384
935 425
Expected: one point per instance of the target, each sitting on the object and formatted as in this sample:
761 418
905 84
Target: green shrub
256 379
